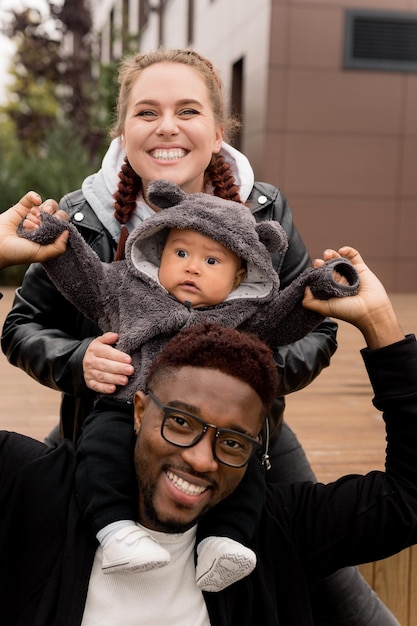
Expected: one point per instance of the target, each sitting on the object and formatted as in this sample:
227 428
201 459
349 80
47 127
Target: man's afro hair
213 346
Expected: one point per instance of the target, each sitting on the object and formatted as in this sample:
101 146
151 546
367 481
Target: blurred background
327 93
326 90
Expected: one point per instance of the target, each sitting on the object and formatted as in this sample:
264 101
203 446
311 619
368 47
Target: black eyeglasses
185 430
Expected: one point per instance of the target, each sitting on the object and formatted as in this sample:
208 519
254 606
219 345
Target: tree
78 83
52 74
33 103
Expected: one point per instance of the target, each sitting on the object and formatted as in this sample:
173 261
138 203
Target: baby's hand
327 256
33 219
339 278
14 249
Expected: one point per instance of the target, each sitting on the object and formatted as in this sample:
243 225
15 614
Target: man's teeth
168 155
185 486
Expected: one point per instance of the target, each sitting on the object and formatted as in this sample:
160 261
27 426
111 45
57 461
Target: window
144 11
125 26
237 98
112 35
190 22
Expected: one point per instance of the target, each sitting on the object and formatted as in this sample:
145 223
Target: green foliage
104 106
12 276
58 168
33 103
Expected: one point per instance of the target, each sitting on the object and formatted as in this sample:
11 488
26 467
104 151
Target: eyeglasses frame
166 410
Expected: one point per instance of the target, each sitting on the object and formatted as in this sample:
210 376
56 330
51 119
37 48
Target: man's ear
139 402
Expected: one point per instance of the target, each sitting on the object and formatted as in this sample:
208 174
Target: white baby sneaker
132 549
221 562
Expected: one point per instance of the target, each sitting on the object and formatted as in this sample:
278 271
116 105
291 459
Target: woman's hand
15 250
105 367
370 310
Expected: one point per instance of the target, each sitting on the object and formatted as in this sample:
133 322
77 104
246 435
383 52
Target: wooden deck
333 418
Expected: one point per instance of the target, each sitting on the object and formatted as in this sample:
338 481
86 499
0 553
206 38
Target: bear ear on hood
164 194
272 235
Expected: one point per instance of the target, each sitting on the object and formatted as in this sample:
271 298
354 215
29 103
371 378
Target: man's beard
168 526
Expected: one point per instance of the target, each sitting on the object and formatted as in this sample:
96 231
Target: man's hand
104 366
370 310
15 250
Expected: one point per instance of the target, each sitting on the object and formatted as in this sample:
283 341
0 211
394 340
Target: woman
171 124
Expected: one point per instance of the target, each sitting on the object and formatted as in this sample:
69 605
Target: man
208 393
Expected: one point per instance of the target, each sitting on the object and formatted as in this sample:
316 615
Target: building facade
327 91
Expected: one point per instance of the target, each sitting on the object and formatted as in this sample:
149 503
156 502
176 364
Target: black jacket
47 337
46 551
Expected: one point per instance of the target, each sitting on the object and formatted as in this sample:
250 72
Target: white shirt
167 596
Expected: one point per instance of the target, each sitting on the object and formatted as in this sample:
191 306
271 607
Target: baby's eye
182 254
211 261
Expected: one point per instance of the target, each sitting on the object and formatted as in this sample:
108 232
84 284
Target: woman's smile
168 154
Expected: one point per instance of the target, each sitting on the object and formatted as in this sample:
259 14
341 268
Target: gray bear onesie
126 297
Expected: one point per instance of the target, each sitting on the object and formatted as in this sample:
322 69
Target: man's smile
187 491
190 489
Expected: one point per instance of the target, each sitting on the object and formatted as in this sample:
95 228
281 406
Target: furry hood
229 223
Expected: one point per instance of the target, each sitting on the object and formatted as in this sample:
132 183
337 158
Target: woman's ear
139 402
218 139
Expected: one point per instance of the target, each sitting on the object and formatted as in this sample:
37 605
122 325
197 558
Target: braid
125 202
219 173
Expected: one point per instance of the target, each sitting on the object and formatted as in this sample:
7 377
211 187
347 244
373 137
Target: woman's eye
188 112
146 113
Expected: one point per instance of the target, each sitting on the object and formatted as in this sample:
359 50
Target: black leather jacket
47 337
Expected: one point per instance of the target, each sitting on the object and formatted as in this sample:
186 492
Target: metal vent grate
378 40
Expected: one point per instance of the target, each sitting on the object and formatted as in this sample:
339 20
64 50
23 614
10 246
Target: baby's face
197 269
